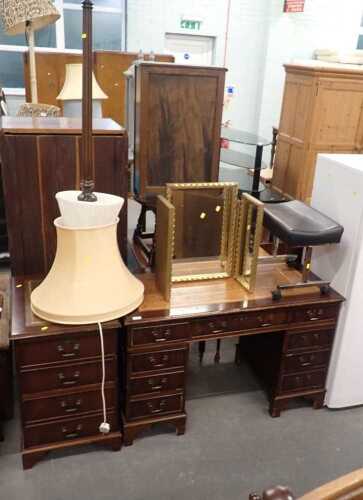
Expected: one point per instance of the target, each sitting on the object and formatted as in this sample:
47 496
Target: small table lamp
71 93
28 16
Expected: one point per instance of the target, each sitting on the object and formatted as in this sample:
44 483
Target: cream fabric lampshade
88 281
15 14
71 92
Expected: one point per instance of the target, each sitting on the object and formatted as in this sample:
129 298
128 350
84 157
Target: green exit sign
190 24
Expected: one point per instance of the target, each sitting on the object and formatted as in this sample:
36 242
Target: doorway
190 49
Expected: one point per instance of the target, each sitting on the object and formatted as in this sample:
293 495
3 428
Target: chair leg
141 223
217 355
237 356
201 347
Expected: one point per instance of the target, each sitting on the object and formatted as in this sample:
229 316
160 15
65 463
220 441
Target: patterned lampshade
15 14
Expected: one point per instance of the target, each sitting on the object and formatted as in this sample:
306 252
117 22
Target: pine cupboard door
297 106
338 117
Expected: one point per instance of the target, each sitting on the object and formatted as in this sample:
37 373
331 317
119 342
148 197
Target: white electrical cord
104 426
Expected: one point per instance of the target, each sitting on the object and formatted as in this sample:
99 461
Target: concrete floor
231 447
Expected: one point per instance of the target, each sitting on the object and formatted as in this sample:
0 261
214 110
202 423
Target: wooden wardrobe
322 112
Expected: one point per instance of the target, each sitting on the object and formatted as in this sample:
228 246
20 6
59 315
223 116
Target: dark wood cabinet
60 371
175 131
40 157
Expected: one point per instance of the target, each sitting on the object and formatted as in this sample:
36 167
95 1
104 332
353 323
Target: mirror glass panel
204 216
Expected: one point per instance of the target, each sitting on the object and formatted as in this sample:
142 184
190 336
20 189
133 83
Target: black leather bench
298 224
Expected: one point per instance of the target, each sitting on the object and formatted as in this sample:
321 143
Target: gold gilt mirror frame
205 218
249 228
166 233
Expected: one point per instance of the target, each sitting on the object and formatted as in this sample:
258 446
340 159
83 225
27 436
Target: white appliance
338 193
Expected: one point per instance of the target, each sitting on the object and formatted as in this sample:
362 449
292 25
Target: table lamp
88 281
28 16
71 93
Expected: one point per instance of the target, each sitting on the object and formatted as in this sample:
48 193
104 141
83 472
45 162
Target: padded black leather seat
298 224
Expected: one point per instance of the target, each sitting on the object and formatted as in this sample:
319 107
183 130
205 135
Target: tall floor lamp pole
87 183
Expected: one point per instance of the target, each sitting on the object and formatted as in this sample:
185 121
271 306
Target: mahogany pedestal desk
289 342
59 372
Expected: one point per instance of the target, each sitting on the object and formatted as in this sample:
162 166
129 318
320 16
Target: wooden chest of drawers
60 371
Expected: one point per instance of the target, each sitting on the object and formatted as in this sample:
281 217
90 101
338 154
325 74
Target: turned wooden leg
217 356
201 347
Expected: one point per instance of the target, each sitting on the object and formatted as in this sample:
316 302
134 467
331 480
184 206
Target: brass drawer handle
60 349
152 360
262 321
306 360
314 314
161 336
157 410
71 381
71 409
74 434
217 329
153 387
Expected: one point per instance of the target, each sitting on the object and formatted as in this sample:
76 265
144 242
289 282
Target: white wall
149 20
261 39
324 23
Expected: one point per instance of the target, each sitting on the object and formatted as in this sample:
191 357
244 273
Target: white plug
104 428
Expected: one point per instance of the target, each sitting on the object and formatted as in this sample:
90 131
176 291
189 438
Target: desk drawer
315 313
240 322
156 361
260 319
158 334
155 407
66 430
157 383
64 348
304 381
305 361
68 405
66 377
308 340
